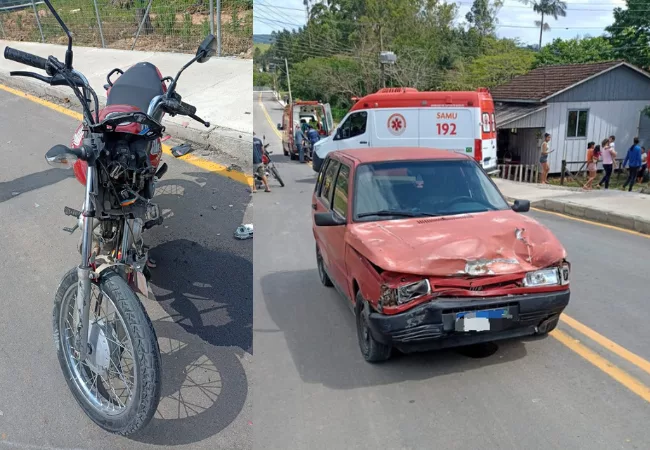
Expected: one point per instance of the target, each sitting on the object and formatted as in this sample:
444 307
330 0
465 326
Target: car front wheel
372 350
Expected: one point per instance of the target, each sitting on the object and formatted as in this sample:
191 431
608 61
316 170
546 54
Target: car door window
328 183
340 201
321 176
354 125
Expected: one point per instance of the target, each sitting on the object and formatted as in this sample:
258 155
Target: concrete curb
626 221
235 145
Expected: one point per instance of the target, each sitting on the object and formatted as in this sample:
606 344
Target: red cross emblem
396 124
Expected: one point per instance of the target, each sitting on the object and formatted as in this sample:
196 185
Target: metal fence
151 25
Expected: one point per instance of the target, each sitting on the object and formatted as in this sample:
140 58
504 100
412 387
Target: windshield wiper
388 212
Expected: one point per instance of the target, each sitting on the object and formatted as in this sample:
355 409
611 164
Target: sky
516 20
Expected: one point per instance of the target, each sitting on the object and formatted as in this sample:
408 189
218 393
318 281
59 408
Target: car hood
490 243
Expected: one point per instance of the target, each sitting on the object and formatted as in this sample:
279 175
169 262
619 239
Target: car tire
549 327
372 350
322 273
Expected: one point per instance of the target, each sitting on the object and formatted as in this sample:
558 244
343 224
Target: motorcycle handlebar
25 58
186 109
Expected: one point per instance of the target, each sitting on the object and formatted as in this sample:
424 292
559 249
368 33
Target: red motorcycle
105 342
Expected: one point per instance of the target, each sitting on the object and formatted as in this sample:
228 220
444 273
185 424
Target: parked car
429 254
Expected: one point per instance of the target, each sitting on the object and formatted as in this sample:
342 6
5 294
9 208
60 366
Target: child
593 156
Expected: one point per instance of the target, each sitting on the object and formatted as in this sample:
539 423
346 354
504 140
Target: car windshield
394 190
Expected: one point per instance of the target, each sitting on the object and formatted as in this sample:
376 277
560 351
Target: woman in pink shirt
609 156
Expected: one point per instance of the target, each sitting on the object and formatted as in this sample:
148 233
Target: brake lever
198 119
21 73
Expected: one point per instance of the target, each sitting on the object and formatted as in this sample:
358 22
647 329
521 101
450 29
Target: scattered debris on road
244 231
181 150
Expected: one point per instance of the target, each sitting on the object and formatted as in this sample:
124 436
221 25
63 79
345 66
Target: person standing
543 159
313 136
298 139
593 155
644 165
633 158
609 156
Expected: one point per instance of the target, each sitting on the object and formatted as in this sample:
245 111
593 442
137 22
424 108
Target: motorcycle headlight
554 276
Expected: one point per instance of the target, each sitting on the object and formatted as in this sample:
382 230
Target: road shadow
203 282
31 182
321 335
309 180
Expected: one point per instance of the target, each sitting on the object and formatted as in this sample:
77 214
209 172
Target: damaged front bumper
448 322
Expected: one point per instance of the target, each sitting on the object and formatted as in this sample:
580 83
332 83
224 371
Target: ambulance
310 112
461 122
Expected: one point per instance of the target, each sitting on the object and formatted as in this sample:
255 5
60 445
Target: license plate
479 320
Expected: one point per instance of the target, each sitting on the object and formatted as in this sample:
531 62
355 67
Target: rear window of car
395 190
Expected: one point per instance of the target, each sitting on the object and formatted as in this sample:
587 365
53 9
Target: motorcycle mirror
207 49
68 52
60 157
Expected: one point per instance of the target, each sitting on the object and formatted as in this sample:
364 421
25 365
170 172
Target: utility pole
286 64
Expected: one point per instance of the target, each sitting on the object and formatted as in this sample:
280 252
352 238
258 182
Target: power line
509 6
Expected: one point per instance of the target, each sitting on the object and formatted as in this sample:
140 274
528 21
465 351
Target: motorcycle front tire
277 176
147 389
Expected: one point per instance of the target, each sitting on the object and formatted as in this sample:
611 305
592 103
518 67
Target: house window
577 123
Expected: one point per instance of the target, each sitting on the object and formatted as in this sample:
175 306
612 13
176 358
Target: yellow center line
591 222
268 117
607 343
197 161
610 369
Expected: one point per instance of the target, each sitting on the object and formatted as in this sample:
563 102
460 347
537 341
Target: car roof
385 154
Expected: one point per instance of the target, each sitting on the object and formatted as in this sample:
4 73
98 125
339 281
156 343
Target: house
576 104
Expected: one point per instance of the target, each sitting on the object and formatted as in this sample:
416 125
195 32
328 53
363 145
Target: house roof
507 113
544 82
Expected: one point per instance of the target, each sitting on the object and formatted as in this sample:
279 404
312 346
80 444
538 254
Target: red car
429 254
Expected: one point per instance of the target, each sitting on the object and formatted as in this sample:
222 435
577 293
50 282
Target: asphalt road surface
574 389
202 310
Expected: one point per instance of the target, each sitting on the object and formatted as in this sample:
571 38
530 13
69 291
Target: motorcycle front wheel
276 175
118 384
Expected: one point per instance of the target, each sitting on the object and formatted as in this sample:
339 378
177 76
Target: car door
336 235
329 120
332 197
321 203
354 132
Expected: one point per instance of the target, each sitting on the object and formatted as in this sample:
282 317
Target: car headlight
554 276
404 293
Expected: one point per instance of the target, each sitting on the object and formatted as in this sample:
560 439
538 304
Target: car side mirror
328 219
521 206
337 135
208 48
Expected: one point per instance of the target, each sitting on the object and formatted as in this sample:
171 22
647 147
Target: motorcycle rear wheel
109 410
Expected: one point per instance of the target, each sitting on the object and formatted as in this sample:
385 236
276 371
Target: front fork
85 271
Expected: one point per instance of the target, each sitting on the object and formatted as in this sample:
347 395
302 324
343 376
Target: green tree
575 51
545 8
483 16
630 34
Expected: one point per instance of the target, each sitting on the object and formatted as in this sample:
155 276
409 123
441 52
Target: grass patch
173 25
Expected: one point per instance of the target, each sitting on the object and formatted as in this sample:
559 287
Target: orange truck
308 111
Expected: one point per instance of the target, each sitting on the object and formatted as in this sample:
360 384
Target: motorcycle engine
128 171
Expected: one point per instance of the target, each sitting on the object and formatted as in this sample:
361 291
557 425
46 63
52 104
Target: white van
460 121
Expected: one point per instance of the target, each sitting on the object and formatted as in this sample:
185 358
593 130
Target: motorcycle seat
136 87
